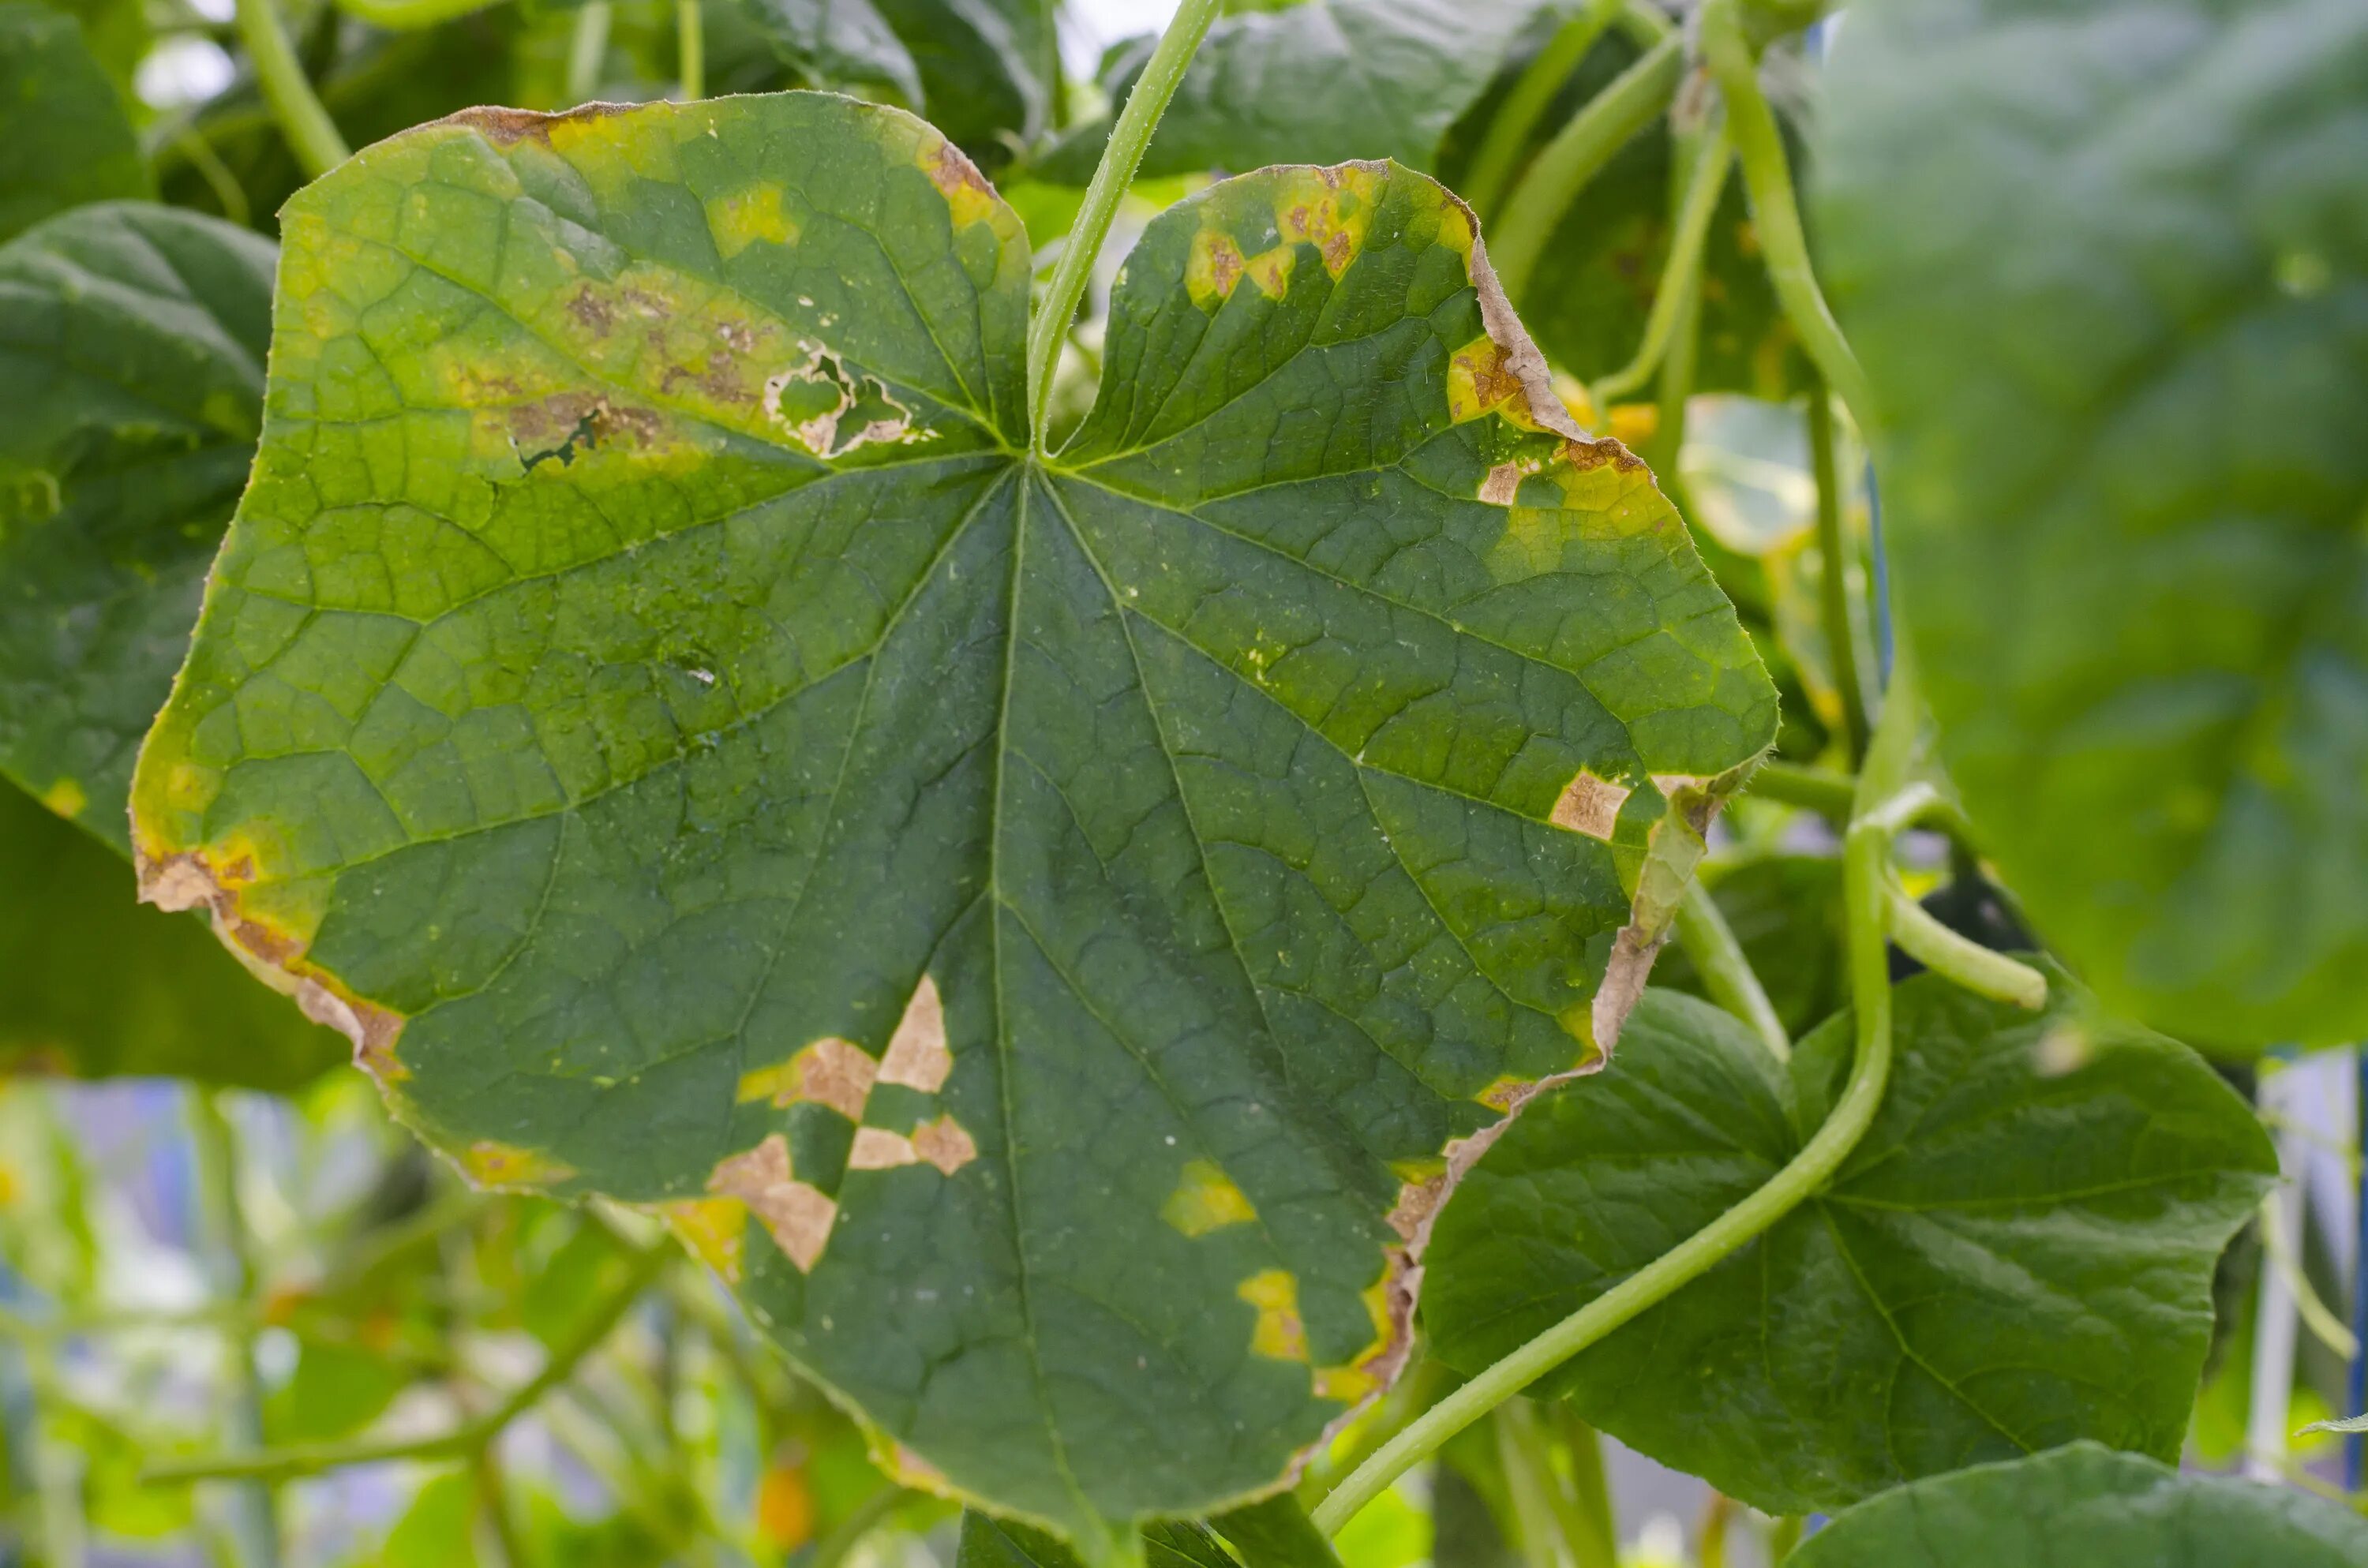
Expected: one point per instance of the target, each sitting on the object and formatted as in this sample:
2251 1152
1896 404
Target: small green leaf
650 698
1322 82
2020 1253
65 139
2125 483
2087 1505
132 344
1276 1533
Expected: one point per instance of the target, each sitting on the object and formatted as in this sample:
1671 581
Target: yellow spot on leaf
65 797
958 179
1479 382
1280 1335
1505 1092
1212 268
1206 1199
830 1072
1589 805
799 1216
1269 270
711 1228
1361 1376
916 1056
1329 208
741 219
500 1164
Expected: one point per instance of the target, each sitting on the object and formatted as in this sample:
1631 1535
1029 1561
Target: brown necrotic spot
831 1072
941 1142
830 410
1503 483
916 1056
967 194
1589 805
506 126
799 1216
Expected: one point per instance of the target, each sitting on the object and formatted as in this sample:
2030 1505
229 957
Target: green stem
1829 795
1579 150
1130 139
1775 210
1835 557
690 46
1868 858
1725 973
466 1438
1679 273
1508 132
254 1513
1530 1482
1782 1537
588 49
1964 961
1594 1524
311 134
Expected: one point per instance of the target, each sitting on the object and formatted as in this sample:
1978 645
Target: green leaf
1276 1533
2123 471
99 987
1322 82
832 43
650 699
2084 1504
2020 1253
988 1542
65 139
132 341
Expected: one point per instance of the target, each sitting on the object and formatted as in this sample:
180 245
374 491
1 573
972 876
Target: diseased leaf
648 699
65 139
2019 1254
92 985
2123 467
131 343
2087 1505
1321 81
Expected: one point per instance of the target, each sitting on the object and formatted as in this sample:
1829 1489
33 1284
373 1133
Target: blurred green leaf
1786 910
2087 1505
2123 467
64 136
2017 1254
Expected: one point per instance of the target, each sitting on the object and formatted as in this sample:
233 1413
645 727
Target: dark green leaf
97 986
131 344
65 139
649 698
1321 81
2124 470
836 43
988 1542
2020 1253
2089 1505
1276 1533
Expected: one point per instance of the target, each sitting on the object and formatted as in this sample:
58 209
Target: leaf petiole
1966 962
311 134
1130 139
691 46
1727 973
1508 132
1679 273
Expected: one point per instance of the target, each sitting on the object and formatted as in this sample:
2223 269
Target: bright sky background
1093 24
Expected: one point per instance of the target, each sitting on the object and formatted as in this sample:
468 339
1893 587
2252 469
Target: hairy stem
1579 150
1130 139
1836 556
588 49
1726 975
1679 273
254 1512
1962 960
286 90
691 48
1775 210
1508 132
312 1458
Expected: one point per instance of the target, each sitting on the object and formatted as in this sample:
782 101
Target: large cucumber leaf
131 344
65 137
1041 926
2086 1505
2019 1254
2106 264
